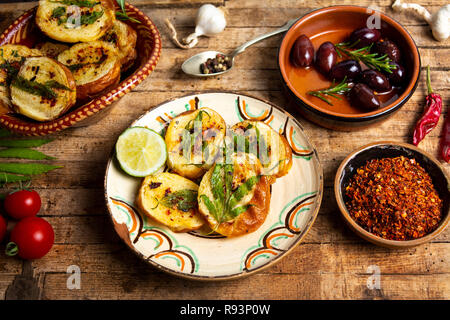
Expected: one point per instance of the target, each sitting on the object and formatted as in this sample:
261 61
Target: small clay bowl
335 24
387 149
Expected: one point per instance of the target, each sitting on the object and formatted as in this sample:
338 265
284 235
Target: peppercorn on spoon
192 65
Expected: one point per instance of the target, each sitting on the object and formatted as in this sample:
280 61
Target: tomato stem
11 249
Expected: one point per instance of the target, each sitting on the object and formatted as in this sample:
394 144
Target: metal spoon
192 65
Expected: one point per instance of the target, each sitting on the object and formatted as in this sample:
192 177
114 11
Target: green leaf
217 186
27 168
184 200
211 208
242 191
23 153
28 143
238 210
6 177
5 133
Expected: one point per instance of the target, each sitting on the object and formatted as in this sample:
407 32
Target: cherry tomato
2 228
22 204
31 238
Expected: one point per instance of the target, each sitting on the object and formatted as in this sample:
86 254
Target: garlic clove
210 21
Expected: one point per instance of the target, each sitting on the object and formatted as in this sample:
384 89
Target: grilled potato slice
194 154
95 66
171 200
271 148
11 58
51 49
123 37
254 199
75 21
43 89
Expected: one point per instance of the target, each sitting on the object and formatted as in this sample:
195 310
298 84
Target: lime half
141 151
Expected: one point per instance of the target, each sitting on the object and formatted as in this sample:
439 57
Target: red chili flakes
394 198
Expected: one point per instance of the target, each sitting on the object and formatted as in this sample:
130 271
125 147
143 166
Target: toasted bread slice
12 57
76 20
95 66
43 89
171 200
271 148
192 160
51 49
254 201
123 37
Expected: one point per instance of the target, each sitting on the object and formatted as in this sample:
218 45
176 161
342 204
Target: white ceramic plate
294 204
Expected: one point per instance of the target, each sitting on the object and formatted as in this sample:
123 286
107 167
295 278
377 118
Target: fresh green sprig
332 91
223 206
123 15
372 60
24 153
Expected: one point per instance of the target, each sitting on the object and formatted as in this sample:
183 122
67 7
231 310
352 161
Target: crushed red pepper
394 198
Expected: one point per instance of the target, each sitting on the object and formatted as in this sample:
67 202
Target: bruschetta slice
234 197
194 139
43 89
95 66
171 200
12 57
123 37
75 20
269 146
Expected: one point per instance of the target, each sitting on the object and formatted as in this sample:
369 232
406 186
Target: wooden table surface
331 262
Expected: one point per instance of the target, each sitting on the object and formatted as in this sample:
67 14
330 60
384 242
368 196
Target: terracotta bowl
387 149
24 31
335 24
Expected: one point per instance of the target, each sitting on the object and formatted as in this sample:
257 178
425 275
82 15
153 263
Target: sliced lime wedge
141 151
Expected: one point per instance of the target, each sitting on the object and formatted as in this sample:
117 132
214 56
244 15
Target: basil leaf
217 186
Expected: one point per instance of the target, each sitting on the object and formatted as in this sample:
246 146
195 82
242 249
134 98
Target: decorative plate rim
97 104
241 274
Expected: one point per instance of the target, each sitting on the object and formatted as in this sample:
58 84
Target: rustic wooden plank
307 258
267 58
324 286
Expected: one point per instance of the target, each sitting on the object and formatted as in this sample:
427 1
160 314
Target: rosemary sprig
333 91
123 15
372 60
40 89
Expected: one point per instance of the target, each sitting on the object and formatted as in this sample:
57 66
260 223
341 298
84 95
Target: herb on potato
223 206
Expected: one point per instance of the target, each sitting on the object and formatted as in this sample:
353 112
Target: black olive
375 80
363 98
326 57
388 48
302 52
348 68
363 37
398 75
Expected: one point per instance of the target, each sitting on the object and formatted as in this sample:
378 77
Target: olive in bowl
332 24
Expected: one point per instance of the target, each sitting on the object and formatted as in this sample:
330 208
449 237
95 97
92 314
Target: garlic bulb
210 21
439 21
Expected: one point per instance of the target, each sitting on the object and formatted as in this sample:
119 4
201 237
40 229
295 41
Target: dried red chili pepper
445 141
430 117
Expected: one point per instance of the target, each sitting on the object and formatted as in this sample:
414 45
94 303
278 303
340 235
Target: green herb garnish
123 15
224 205
183 200
372 60
40 89
79 3
333 91
90 18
